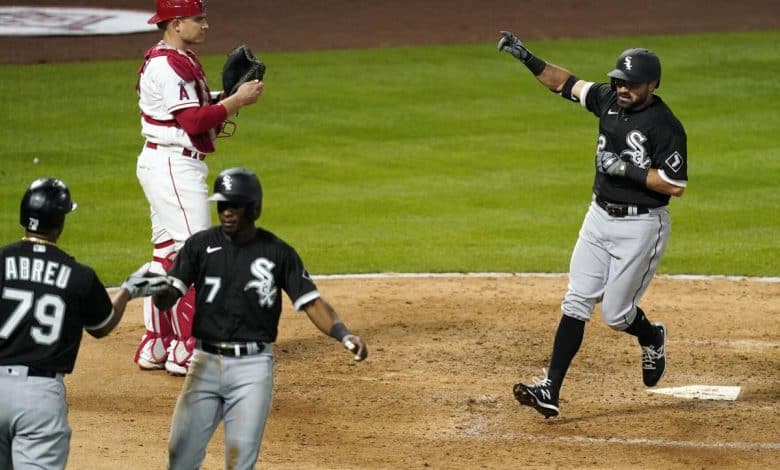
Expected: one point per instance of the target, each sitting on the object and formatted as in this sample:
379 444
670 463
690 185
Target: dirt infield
435 391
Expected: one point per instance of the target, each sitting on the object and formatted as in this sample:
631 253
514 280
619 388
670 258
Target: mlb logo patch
674 162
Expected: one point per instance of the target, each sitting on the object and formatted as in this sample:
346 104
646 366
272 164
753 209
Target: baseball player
641 160
180 119
46 299
239 271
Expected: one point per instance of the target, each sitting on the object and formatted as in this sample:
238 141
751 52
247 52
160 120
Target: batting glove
510 43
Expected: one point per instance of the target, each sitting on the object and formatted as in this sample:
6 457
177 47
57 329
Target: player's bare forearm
656 183
553 77
165 300
322 314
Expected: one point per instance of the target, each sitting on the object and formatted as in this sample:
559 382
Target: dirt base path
436 389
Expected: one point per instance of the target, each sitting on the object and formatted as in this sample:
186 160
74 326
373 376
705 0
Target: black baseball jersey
237 287
46 299
649 138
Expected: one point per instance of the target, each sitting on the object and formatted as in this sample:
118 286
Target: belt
232 349
186 152
35 372
621 210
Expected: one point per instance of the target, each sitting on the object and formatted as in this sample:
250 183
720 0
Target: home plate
700 392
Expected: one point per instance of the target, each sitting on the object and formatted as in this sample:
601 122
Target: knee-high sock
568 339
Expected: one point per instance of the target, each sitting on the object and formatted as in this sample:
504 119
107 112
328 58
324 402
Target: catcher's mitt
241 66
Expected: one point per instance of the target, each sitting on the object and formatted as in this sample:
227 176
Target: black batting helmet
638 66
242 186
45 204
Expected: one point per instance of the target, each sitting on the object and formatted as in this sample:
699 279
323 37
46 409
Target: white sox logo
227 183
627 62
674 161
264 284
636 153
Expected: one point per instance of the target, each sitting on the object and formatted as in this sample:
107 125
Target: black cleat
654 358
540 396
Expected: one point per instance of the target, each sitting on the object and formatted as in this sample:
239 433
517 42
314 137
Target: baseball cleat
654 358
143 364
540 396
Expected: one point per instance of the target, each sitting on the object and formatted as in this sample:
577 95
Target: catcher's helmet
242 186
170 9
45 204
638 66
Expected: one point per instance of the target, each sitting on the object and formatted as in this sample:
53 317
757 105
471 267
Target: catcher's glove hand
241 66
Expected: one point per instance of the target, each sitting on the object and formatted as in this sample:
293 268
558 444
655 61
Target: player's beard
626 101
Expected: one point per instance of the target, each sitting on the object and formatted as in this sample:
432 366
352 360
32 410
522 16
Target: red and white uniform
179 127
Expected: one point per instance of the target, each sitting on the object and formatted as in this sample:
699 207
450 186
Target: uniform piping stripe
101 324
178 198
305 299
652 258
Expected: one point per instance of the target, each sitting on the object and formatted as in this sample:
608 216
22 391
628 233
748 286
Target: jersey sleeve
184 269
297 282
97 305
671 156
597 97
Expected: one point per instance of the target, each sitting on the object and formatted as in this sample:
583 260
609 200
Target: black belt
621 210
35 372
232 350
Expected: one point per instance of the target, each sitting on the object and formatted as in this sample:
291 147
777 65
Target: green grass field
427 159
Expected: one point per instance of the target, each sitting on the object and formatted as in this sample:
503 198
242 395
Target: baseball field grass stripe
418 159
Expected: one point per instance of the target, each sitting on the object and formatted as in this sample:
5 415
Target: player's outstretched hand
356 346
143 283
510 43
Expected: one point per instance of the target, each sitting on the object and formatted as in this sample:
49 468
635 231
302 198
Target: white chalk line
682 277
752 446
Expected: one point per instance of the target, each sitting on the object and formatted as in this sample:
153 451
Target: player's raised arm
557 79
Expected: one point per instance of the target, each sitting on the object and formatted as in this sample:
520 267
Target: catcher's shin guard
183 343
153 350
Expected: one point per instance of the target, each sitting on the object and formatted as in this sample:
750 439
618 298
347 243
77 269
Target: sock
568 339
642 329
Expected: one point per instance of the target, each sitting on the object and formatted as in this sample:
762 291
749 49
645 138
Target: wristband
338 331
567 88
535 65
634 173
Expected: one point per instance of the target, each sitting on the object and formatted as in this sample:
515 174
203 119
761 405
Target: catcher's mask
637 66
242 186
170 9
44 205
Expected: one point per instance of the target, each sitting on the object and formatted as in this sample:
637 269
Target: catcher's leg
183 343
153 350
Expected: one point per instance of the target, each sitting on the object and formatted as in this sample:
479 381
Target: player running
641 160
239 271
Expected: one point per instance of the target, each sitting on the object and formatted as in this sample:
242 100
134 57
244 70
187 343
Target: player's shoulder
662 114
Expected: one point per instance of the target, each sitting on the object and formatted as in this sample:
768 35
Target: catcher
180 120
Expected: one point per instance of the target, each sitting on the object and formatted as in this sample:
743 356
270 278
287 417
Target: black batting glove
510 43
